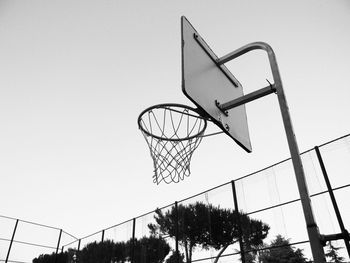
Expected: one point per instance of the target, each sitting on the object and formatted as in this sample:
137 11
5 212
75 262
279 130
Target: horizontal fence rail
21 240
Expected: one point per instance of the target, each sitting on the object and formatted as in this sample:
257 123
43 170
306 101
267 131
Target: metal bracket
272 86
331 237
245 99
218 105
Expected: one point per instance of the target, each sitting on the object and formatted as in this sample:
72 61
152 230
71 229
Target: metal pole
103 235
79 244
311 225
312 228
345 234
177 233
241 247
58 245
13 236
133 241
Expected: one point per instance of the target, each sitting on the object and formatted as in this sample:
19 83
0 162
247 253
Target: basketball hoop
172 132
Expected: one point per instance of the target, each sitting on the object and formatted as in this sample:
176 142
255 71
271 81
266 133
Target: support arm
254 46
312 228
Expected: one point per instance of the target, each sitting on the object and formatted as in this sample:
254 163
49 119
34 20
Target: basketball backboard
205 83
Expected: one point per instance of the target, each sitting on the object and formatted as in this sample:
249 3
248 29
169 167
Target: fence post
177 233
58 245
77 250
133 241
13 236
241 247
344 232
103 235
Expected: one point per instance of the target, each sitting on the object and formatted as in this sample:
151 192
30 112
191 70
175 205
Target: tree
201 225
52 258
280 251
144 250
101 252
176 257
332 253
150 250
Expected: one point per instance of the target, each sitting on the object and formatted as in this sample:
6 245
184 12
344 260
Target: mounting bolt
227 127
218 105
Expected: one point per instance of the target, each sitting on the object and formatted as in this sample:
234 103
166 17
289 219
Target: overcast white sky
74 76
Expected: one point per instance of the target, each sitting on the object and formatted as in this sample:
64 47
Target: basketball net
172 132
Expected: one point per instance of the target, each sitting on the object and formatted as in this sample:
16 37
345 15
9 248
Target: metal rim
168 106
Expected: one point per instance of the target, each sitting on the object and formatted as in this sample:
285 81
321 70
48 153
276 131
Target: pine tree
332 253
205 226
281 252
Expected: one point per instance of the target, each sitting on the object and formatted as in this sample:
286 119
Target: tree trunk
190 251
186 251
220 253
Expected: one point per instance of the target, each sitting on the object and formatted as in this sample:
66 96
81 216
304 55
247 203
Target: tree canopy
145 250
207 226
280 251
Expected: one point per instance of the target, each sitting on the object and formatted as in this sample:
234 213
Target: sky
75 75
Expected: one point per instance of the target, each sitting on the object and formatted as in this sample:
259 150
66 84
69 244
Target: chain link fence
250 219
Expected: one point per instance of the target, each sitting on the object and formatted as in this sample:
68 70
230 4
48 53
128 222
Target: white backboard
204 82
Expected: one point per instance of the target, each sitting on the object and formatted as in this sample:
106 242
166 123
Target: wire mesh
269 195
